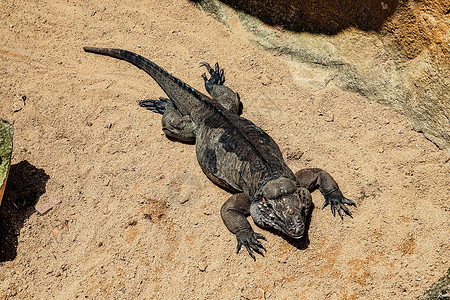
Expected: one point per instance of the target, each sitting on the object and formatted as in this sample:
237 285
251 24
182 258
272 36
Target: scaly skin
237 155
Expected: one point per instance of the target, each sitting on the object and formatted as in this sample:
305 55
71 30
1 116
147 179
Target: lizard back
237 154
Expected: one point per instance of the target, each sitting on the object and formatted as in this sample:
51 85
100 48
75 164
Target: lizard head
283 207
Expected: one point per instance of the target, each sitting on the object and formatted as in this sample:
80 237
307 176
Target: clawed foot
337 202
157 106
249 239
217 75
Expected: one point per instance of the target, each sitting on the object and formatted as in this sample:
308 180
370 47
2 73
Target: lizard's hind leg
174 124
157 106
226 97
217 75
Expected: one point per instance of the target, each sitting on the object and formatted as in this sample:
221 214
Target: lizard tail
141 62
184 96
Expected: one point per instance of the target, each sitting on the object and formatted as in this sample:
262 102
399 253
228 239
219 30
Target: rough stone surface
400 57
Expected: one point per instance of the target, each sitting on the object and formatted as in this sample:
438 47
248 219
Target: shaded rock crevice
328 17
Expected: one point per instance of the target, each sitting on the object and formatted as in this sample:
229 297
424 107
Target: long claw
346 210
208 67
250 252
348 201
333 210
260 236
238 248
257 250
217 67
325 204
262 247
340 213
259 245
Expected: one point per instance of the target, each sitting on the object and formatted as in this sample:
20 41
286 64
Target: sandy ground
138 219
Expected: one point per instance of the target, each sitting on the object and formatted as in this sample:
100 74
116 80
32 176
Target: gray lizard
237 155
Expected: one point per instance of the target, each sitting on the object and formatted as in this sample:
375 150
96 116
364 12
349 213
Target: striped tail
184 96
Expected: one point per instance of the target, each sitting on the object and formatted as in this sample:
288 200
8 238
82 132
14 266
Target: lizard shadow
24 186
172 139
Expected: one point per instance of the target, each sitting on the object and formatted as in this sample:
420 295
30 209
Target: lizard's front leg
234 214
313 178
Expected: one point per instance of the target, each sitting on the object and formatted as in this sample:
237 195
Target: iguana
237 155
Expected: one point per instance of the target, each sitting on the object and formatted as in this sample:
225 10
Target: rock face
392 52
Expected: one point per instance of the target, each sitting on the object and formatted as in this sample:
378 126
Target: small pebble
57 231
329 117
44 205
202 266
